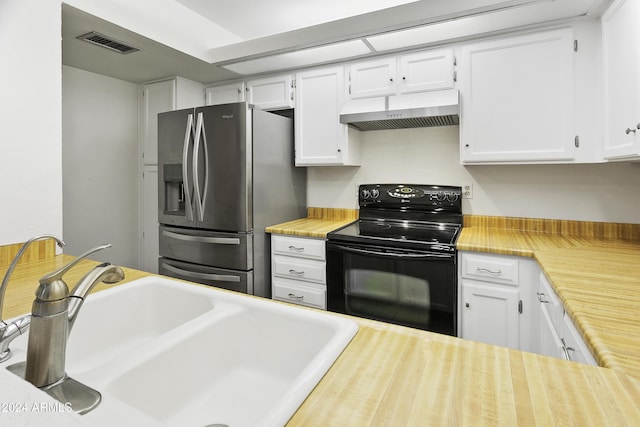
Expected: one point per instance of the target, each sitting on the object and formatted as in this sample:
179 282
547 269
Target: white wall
100 167
587 192
30 119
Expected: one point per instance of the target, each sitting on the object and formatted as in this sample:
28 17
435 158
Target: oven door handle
392 254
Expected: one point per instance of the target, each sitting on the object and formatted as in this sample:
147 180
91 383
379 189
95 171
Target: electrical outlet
467 191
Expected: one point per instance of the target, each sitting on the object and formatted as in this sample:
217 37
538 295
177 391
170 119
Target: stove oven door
402 286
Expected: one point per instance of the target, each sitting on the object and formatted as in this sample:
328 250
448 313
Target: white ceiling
195 39
248 18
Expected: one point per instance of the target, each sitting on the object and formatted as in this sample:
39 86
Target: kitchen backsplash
584 192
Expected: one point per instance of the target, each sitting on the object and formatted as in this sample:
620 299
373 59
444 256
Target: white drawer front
299 269
302 295
298 247
490 268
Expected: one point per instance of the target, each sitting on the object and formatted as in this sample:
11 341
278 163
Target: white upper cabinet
372 78
424 71
225 94
417 72
621 69
158 97
517 99
271 93
320 138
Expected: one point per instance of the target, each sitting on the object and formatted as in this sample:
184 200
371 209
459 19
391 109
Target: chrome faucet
53 315
19 326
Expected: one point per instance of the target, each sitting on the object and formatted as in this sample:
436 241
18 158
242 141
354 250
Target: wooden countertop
596 274
396 376
24 281
318 223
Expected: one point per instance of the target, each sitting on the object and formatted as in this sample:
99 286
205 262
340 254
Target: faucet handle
56 276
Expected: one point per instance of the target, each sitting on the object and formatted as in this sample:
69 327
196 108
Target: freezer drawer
232 251
241 281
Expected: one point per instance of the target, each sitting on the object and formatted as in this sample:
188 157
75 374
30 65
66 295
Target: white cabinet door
576 349
320 138
372 78
517 99
157 98
490 314
425 71
225 94
149 242
271 93
621 70
550 344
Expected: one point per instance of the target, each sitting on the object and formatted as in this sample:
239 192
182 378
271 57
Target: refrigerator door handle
185 167
201 196
205 276
202 239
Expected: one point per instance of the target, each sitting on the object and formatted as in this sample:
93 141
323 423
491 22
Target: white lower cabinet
558 337
508 301
496 302
298 270
490 314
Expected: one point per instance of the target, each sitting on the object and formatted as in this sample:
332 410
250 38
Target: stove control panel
400 195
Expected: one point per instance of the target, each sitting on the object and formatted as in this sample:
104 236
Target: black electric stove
427 217
397 263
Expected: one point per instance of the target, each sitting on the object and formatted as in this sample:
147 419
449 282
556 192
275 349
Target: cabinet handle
391 79
295 248
629 130
295 297
296 273
542 299
467 305
497 272
566 350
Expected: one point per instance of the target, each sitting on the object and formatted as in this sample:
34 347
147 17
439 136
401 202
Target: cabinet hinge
576 141
575 45
520 306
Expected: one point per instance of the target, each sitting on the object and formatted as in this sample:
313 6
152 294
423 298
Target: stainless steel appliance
397 263
225 173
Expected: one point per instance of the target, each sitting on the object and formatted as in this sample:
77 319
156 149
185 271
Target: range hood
425 109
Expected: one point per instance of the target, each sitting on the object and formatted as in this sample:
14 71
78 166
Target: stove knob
452 197
375 193
366 194
441 196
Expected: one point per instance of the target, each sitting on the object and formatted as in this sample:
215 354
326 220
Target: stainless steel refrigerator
225 173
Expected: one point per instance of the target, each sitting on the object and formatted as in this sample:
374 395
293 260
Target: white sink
193 356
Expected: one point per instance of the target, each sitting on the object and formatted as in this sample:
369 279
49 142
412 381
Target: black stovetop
423 217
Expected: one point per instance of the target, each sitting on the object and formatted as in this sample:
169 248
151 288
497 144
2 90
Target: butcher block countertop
395 376
318 223
594 268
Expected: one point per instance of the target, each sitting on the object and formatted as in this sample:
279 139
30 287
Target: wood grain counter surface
595 272
317 223
395 376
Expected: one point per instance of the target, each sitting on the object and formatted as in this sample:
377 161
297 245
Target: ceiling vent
107 42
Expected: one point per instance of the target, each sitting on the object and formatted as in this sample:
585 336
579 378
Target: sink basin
187 355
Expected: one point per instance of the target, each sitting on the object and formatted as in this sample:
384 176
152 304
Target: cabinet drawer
298 247
299 269
490 268
303 295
